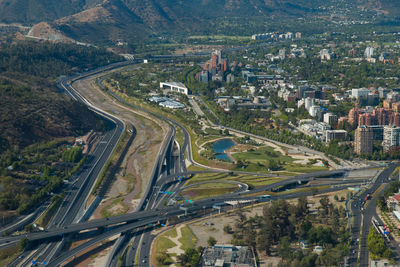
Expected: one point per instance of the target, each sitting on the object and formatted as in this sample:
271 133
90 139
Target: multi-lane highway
166 170
362 215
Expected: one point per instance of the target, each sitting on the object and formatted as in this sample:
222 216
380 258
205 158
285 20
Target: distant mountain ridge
127 19
130 19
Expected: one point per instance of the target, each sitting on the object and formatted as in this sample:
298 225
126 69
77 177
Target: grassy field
196 168
208 190
291 191
258 160
254 181
264 153
163 242
202 177
180 137
304 168
188 239
251 180
108 211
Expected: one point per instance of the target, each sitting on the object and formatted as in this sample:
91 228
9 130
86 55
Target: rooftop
228 255
177 84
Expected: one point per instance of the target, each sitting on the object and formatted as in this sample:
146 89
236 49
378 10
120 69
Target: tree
325 205
284 249
29 228
276 224
228 229
381 202
211 241
23 243
250 236
376 245
303 229
264 240
190 258
162 258
302 207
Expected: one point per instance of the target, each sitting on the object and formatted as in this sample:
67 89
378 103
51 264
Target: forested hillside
30 108
37 123
49 60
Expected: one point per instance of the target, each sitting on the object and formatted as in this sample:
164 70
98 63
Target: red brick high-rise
366 119
353 116
214 61
382 116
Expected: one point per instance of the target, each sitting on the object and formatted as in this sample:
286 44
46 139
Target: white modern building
309 102
359 93
369 52
390 137
330 118
314 111
171 104
175 87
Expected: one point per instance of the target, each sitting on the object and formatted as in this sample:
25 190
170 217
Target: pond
221 146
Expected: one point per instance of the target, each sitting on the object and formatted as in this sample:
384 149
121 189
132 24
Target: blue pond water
221 146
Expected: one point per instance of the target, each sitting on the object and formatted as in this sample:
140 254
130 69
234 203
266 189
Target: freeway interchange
168 174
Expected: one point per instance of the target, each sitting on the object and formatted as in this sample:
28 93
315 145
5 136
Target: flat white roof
176 84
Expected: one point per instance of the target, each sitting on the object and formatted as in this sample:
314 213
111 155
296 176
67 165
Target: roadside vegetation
43 220
7 255
392 189
377 246
35 173
164 246
112 164
208 190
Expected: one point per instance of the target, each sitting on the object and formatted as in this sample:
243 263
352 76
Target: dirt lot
94 256
136 168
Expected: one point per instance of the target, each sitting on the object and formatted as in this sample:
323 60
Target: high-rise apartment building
353 116
363 143
330 118
369 52
390 137
365 119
